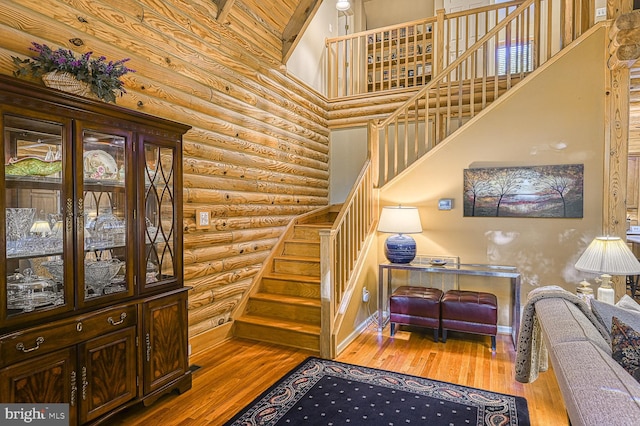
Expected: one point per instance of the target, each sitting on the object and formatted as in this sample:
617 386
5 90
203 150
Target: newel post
616 145
327 296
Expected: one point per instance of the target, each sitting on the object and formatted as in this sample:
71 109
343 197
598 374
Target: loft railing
526 38
340 248
406 55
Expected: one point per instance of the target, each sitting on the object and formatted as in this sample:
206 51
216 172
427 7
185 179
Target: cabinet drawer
113 319
36 341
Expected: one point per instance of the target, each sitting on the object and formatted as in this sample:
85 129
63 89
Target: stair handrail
450 82
340 248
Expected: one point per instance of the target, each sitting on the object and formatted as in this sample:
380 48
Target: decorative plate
99 165
438 262
32 166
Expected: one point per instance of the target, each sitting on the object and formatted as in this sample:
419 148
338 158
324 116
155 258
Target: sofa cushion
595 388
627 302
605 312
625 347
562 321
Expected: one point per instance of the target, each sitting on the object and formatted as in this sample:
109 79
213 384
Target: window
519 57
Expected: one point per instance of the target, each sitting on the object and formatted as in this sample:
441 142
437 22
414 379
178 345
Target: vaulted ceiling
273 26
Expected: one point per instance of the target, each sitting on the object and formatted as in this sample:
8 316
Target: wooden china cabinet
93 311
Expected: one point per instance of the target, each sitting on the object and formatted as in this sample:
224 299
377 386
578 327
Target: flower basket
67 82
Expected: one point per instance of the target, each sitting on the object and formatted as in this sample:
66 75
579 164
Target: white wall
307 62
347 154
381 13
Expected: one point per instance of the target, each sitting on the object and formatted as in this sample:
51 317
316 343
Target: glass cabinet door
105 215
159 266
37 220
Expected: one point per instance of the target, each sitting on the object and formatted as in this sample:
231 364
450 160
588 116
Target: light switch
202 219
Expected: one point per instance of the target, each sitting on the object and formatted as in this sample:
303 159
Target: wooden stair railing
340 249
517 45
464 88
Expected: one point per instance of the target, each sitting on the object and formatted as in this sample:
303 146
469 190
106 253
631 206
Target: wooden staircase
286 308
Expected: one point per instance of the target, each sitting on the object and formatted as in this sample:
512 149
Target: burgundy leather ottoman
416 306
470 312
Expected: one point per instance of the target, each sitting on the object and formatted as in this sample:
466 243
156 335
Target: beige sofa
595 388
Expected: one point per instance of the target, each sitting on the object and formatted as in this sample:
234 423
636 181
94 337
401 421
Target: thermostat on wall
445 204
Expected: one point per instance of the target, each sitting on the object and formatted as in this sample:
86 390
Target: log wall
257 155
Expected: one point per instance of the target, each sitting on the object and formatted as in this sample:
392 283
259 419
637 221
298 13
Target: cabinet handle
39 341
80 216
74 389
84 383
69 219
148 340
111 321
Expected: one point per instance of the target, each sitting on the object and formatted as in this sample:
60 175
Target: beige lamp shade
608 255
400 220
40 227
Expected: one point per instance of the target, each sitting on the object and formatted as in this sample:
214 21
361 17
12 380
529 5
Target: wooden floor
234 373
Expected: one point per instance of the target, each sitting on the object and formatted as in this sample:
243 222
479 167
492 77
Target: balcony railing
408 55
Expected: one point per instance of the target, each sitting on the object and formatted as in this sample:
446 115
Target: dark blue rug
322 392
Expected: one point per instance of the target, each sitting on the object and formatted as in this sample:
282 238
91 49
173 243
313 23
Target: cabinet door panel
162 207
50 378
165 356
107 373
34 218
105 213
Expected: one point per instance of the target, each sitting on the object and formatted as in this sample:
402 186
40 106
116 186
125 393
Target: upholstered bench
418 306
469 312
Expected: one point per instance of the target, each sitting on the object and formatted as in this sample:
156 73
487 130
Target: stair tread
298 257
302 240
316 225
292 277
283 298
293 326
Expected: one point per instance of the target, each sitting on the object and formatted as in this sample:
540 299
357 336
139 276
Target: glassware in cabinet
34 213
105 213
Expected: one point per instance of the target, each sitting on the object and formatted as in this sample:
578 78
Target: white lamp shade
608 255
343 5
400 220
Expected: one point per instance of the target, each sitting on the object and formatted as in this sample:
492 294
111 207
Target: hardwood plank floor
235 372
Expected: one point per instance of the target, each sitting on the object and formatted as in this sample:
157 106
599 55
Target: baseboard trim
370 321
210 338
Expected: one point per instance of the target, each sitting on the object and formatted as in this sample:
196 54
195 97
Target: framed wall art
538 191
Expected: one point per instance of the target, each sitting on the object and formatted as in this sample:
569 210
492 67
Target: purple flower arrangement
102 76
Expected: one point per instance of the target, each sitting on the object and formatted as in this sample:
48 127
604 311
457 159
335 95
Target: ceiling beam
296 26
224 7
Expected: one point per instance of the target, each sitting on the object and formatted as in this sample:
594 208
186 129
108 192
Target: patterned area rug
322 392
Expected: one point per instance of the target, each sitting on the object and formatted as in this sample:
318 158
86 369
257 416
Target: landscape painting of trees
537 191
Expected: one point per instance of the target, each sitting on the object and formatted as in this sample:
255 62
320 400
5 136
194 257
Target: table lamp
399 221
608 256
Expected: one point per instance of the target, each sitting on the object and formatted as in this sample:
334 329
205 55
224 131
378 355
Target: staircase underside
358 111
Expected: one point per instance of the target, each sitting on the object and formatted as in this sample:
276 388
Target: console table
386 269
